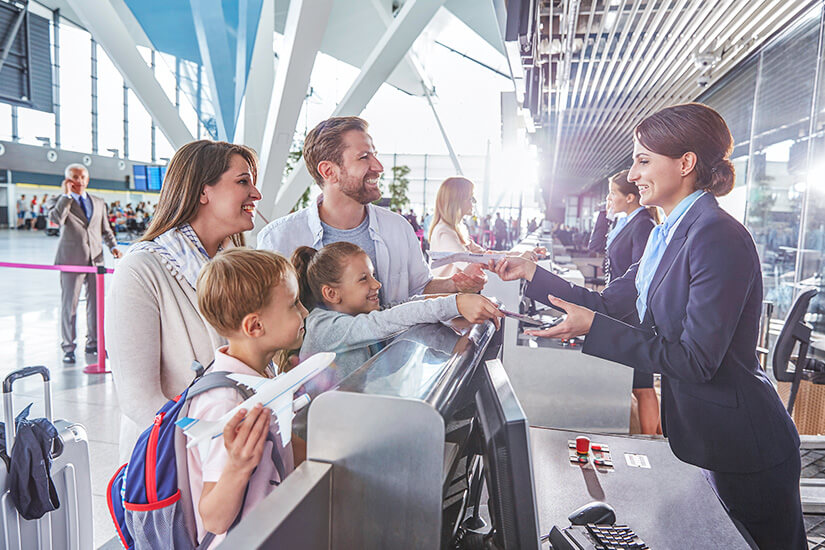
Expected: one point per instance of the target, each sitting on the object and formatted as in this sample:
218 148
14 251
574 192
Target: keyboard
596 537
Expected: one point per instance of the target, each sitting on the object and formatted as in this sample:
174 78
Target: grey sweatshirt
351 335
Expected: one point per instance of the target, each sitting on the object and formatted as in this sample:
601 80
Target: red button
582 445
596 447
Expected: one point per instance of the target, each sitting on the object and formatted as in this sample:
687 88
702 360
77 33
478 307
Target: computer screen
508 469
139 172
155 180
148 177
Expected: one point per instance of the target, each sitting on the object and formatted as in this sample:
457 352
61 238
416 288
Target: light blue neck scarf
620 224
655 249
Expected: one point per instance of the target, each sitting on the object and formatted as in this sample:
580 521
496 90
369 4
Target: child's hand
244 441
477 309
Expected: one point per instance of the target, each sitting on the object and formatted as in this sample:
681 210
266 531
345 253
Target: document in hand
438 259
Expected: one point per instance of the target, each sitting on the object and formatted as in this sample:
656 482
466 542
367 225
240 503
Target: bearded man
341 157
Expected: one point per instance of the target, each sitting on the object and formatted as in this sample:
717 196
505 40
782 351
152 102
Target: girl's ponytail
301 259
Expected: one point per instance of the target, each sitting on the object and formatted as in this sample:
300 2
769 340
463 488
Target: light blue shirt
657 243
400 264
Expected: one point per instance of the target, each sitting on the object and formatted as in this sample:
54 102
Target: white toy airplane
275 393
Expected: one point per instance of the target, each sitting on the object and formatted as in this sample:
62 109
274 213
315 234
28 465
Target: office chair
796 330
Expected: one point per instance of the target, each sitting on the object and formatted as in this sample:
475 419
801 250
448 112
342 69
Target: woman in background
623 246
448 232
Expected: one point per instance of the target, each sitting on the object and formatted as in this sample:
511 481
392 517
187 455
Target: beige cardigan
153 333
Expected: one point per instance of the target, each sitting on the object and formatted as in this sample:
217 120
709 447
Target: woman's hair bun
722 178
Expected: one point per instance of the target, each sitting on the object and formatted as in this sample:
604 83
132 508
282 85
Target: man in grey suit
85 225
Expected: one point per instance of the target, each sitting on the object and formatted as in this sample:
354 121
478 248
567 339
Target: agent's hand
244 441
477 308
117 253
578 322
472 279
512 268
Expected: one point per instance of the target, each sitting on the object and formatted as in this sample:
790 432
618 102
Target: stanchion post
100 367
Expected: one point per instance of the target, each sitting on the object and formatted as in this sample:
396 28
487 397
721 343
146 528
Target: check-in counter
558 386
394 462
389 443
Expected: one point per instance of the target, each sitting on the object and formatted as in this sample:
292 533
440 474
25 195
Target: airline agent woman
623 246
698 292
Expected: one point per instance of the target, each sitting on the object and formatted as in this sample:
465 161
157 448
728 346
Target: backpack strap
217 379
203 383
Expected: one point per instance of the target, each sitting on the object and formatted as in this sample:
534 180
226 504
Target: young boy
251 298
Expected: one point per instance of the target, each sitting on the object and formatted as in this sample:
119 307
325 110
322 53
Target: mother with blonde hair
154 330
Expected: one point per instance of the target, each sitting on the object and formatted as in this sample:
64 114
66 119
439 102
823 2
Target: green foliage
399 187
292 161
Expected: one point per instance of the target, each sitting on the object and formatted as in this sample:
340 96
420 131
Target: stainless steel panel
387 455
295 515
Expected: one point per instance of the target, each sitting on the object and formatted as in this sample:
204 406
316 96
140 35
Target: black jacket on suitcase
30 483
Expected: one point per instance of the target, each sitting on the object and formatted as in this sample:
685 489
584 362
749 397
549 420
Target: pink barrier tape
68 268
100 271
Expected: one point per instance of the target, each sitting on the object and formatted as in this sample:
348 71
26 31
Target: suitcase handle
8 404
25 373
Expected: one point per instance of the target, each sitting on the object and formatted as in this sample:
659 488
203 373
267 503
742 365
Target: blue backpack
148 497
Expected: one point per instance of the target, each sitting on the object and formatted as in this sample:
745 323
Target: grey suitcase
71 525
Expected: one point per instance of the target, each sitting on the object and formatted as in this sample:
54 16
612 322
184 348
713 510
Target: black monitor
507 467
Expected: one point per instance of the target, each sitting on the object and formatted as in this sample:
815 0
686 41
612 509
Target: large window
767 102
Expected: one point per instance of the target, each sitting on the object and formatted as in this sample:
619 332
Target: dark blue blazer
628 246
719 410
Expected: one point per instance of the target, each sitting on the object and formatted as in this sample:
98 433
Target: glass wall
773 104
113 117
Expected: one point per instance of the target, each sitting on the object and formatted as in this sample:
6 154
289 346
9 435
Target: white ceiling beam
217 58
306 22
387 54
260 81
102 20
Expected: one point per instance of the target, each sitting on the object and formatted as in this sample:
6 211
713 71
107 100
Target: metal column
153 135
94 94
15 134
56 76
411 20
306 23
125 121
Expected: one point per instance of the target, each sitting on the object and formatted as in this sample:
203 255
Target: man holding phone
84 228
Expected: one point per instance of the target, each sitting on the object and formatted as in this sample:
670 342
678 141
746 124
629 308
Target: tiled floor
30 335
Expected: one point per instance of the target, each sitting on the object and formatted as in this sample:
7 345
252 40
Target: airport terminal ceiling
586 71
592 69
